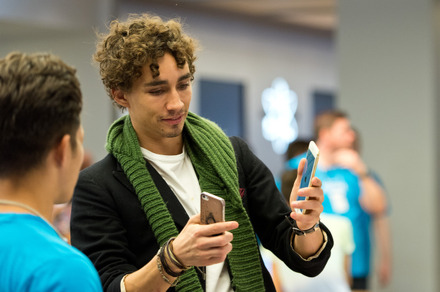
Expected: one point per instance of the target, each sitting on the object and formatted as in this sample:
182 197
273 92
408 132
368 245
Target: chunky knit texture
213 158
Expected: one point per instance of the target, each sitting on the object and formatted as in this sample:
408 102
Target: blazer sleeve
99 225
268 209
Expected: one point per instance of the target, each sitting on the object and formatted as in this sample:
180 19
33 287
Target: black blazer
109 225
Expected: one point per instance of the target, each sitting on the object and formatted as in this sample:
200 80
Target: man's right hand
350 159
203 245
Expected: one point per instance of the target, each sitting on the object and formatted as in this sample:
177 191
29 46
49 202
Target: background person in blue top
381 227
40 156
349 189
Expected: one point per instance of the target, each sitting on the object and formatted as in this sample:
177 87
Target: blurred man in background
351 190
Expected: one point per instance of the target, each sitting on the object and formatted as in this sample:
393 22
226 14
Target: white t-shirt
179 174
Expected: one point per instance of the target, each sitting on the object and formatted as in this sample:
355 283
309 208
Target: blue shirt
34 258
342 191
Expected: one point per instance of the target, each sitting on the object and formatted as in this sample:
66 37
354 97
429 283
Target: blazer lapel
119 174
178 213
176 209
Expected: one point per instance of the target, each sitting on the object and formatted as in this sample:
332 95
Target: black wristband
298 231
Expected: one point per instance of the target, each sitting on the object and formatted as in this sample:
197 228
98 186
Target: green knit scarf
213 158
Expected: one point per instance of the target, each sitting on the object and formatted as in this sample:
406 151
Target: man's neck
27 193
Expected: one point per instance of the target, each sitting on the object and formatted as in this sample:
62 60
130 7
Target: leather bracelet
163 260
172 257
301 232
159 267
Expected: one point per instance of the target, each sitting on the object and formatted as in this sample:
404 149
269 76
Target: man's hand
196 245
309 244
203 245
350 159
313 205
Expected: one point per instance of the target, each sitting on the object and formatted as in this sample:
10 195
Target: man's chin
173 134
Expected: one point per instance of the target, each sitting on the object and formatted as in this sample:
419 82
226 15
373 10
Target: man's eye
184 86
156 92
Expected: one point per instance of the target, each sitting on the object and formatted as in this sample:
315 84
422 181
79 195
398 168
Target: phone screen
312 156
308 170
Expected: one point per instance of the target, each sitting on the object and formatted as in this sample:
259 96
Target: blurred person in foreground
136 213
350 190
40 157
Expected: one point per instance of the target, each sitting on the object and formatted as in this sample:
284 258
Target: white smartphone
312 158
212 208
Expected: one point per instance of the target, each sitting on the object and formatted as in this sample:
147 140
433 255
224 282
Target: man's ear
61 150
119 97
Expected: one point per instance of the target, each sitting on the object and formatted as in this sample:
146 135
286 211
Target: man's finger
297 183
299 173
314 192
194 219
219 227
316 182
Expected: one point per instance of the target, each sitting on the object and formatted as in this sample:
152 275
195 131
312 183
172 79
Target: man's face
341 134
158 106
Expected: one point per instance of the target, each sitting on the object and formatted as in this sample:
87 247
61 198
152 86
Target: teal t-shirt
34 258
341 197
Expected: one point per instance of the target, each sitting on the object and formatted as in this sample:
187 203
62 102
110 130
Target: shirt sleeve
123 284
318 253
67 274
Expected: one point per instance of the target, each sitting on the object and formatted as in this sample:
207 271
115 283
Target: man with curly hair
136 213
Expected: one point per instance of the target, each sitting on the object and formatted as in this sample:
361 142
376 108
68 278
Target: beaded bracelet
159 267
165 254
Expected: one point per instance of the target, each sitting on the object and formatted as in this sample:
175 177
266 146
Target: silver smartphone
212 208
312 158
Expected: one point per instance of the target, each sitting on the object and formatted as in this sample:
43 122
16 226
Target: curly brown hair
142 39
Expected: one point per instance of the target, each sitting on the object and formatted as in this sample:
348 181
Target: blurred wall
388 74
67 29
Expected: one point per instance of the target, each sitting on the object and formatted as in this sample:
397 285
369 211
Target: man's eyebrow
162 82
155 83
186 76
